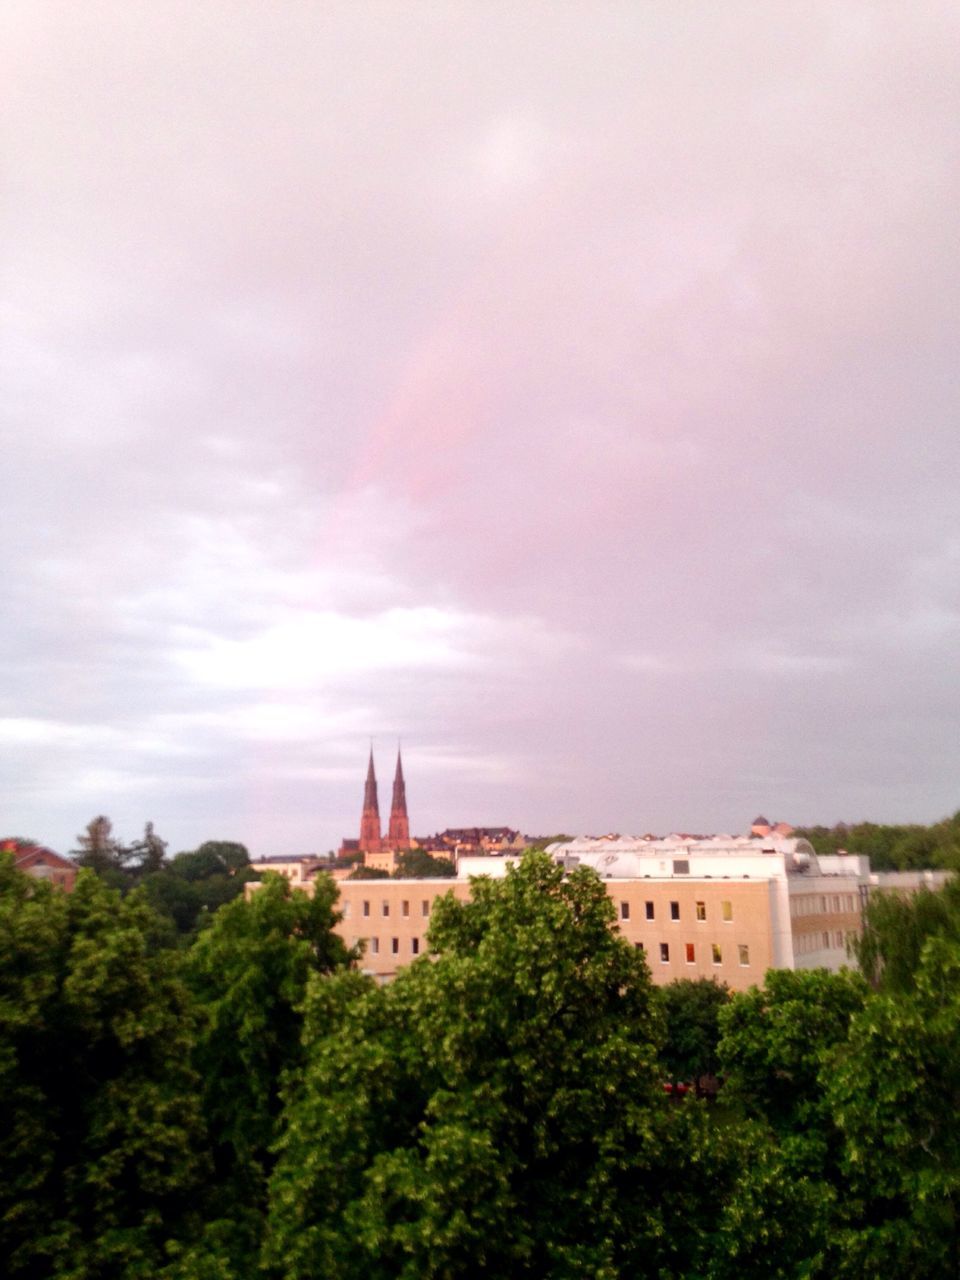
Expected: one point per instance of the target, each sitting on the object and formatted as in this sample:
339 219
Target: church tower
398 833
370 820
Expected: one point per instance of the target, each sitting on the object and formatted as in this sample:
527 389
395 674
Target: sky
570 391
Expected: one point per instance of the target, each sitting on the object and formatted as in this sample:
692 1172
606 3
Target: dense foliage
904 847
185 889
691 1015
103 1151
418 864
244 1102
494 1111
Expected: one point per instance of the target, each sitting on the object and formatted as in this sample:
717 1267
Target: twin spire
398 830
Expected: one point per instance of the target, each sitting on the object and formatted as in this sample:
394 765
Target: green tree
193 885
892 847
180 901
897 927
691 1012
101 1157
496 1110
418 864
233 856
774 1037
100 851
149 853
780 1215
249 973
893 1088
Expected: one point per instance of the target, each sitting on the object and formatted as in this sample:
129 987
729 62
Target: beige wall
382 860
744 940
392 918
395 924
824 919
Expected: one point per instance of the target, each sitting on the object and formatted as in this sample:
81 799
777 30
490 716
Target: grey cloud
623 335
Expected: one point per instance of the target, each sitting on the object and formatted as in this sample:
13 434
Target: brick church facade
380 851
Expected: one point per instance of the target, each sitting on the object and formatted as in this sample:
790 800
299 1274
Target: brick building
42 864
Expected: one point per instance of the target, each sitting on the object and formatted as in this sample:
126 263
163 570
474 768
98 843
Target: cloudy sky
569 389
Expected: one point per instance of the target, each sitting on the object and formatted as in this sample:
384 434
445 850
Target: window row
837 939
700 910
391 946
809 904
690 952
366 908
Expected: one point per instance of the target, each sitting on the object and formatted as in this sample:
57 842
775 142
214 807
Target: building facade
376 850
42 864
722 907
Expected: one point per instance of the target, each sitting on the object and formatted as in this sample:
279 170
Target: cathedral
378 850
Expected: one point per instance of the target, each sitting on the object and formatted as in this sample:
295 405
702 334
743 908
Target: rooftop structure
41 863
724 907
371 842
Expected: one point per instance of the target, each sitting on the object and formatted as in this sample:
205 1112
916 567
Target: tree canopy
242 1100
891 847
185 889
496 1110
418 864
691 1013
102 1161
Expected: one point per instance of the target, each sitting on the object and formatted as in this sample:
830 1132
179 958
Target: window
825 938
366 907
681 867
717 953
386 907
374 946
744 951
425 907
691 953
405 907
624 910
415 946
838 938
726 911
701 911
648 910
395 946
345 911
674 910
664 952
639 946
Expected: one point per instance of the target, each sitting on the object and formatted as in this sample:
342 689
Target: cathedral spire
398 833
370 819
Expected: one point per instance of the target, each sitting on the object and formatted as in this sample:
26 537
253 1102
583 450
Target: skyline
569 392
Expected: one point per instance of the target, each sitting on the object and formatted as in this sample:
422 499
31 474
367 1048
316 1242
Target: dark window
624 910
649 910
681 867
674 910
664 952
